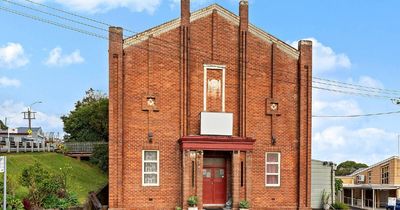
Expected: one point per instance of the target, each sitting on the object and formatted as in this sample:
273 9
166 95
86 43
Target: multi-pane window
369 177
151 166
272 168
385 175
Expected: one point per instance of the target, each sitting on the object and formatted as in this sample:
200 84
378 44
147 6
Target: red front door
214 184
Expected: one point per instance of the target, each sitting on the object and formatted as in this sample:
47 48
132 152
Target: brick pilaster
304 81
235 179
186 177
243 29
199 179
249 177
184 67
115 56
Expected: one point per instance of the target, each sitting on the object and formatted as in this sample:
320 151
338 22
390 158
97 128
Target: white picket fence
7 146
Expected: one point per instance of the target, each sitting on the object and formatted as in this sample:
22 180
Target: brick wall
154 67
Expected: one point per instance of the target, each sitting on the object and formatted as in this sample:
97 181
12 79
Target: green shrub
72 199
13 203
100 156
325 197
53 201
11 185
47 190
244 204
338 185
192 201
339 205
178 208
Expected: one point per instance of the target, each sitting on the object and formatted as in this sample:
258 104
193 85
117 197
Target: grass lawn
82 179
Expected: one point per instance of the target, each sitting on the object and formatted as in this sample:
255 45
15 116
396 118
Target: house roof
228 15
374 165
356 171
25 129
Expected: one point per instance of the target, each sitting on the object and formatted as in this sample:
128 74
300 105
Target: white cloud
330 138
12 55
337 107
368 145
324 58
366 81
12 110
96 6
8 82
56 58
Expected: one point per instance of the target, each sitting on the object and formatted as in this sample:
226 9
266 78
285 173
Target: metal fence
82 147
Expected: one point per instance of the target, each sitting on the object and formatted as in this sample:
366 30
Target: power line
53 23
358 89
357 115
75 15
352 86
58 16
362 86
105 38
353 93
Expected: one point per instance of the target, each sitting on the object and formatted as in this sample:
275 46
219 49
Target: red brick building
212 106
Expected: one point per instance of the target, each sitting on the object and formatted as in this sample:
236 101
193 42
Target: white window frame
369 176
386 178
151 161
279 169
213 67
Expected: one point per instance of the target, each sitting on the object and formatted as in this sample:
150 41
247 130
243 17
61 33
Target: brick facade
166 64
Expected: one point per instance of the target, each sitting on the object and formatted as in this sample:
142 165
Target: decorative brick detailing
272 107
171 64
150 102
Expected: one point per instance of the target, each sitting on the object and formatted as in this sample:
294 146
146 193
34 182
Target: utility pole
29 115
8 129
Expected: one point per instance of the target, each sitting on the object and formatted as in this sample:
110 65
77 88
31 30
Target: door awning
217 143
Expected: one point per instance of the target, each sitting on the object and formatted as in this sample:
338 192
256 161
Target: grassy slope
83 177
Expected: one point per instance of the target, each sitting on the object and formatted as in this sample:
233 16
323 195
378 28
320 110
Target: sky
353 42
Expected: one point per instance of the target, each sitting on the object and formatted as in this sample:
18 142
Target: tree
348 167
3 126
338 185
89 120
100 156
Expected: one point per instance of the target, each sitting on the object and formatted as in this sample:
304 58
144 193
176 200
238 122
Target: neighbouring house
322 181
371 187
21 134
209 105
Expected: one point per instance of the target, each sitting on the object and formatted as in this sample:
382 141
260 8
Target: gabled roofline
228 15
374 165
344 177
